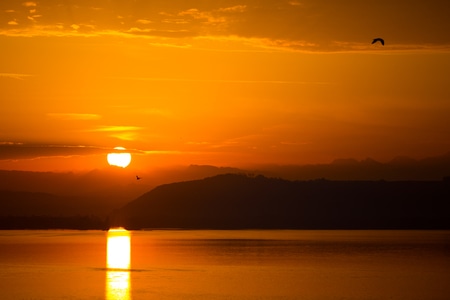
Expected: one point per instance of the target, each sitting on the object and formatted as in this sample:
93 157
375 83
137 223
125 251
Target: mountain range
236 201
97 193
399 168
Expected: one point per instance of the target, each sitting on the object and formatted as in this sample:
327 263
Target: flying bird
378 40
138 178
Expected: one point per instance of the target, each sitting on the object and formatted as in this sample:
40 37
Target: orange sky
226 83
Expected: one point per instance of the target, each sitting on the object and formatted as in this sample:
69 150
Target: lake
241 264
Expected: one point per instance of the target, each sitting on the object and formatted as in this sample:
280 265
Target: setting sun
119 158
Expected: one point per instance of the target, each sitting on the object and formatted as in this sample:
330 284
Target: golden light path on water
118 264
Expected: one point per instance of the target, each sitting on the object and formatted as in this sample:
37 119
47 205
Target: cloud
172 33
164 152
14 151
17 150
162 79
10 143
15 76
125 133
206 16
295 3
73 116
154 112
116 128
171 45
291 25
236 8
198 143
357 47
29 4
144 21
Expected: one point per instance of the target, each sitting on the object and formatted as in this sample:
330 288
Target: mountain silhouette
398 169
16 203
35 210
32 199
235 201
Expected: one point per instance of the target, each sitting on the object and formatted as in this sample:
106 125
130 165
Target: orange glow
223 86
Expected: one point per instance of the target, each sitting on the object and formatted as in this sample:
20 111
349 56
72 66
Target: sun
119 158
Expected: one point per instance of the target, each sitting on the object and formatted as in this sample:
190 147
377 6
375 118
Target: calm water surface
246 264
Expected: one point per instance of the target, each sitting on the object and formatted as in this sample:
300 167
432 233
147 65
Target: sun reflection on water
118 264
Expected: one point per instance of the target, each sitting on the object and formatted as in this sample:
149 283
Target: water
225 265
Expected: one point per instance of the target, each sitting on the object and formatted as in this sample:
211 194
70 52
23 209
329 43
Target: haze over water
243 264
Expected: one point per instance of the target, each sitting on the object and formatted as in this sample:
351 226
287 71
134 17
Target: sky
226 83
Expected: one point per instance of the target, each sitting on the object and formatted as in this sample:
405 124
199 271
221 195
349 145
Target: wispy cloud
116 128
291 25
73 116
151 32
341 46
205 80
15 76
144 21
18 150
206 16
154 112
125 133
196 143
163 152
10 143
295 3
234 9
171 44
29 4
14 151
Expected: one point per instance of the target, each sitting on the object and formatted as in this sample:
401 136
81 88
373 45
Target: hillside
16 203
237 201
37 210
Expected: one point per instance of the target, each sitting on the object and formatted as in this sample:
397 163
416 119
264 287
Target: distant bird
378 40
138 178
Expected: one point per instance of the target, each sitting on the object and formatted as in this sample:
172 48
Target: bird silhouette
378 40
138 178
